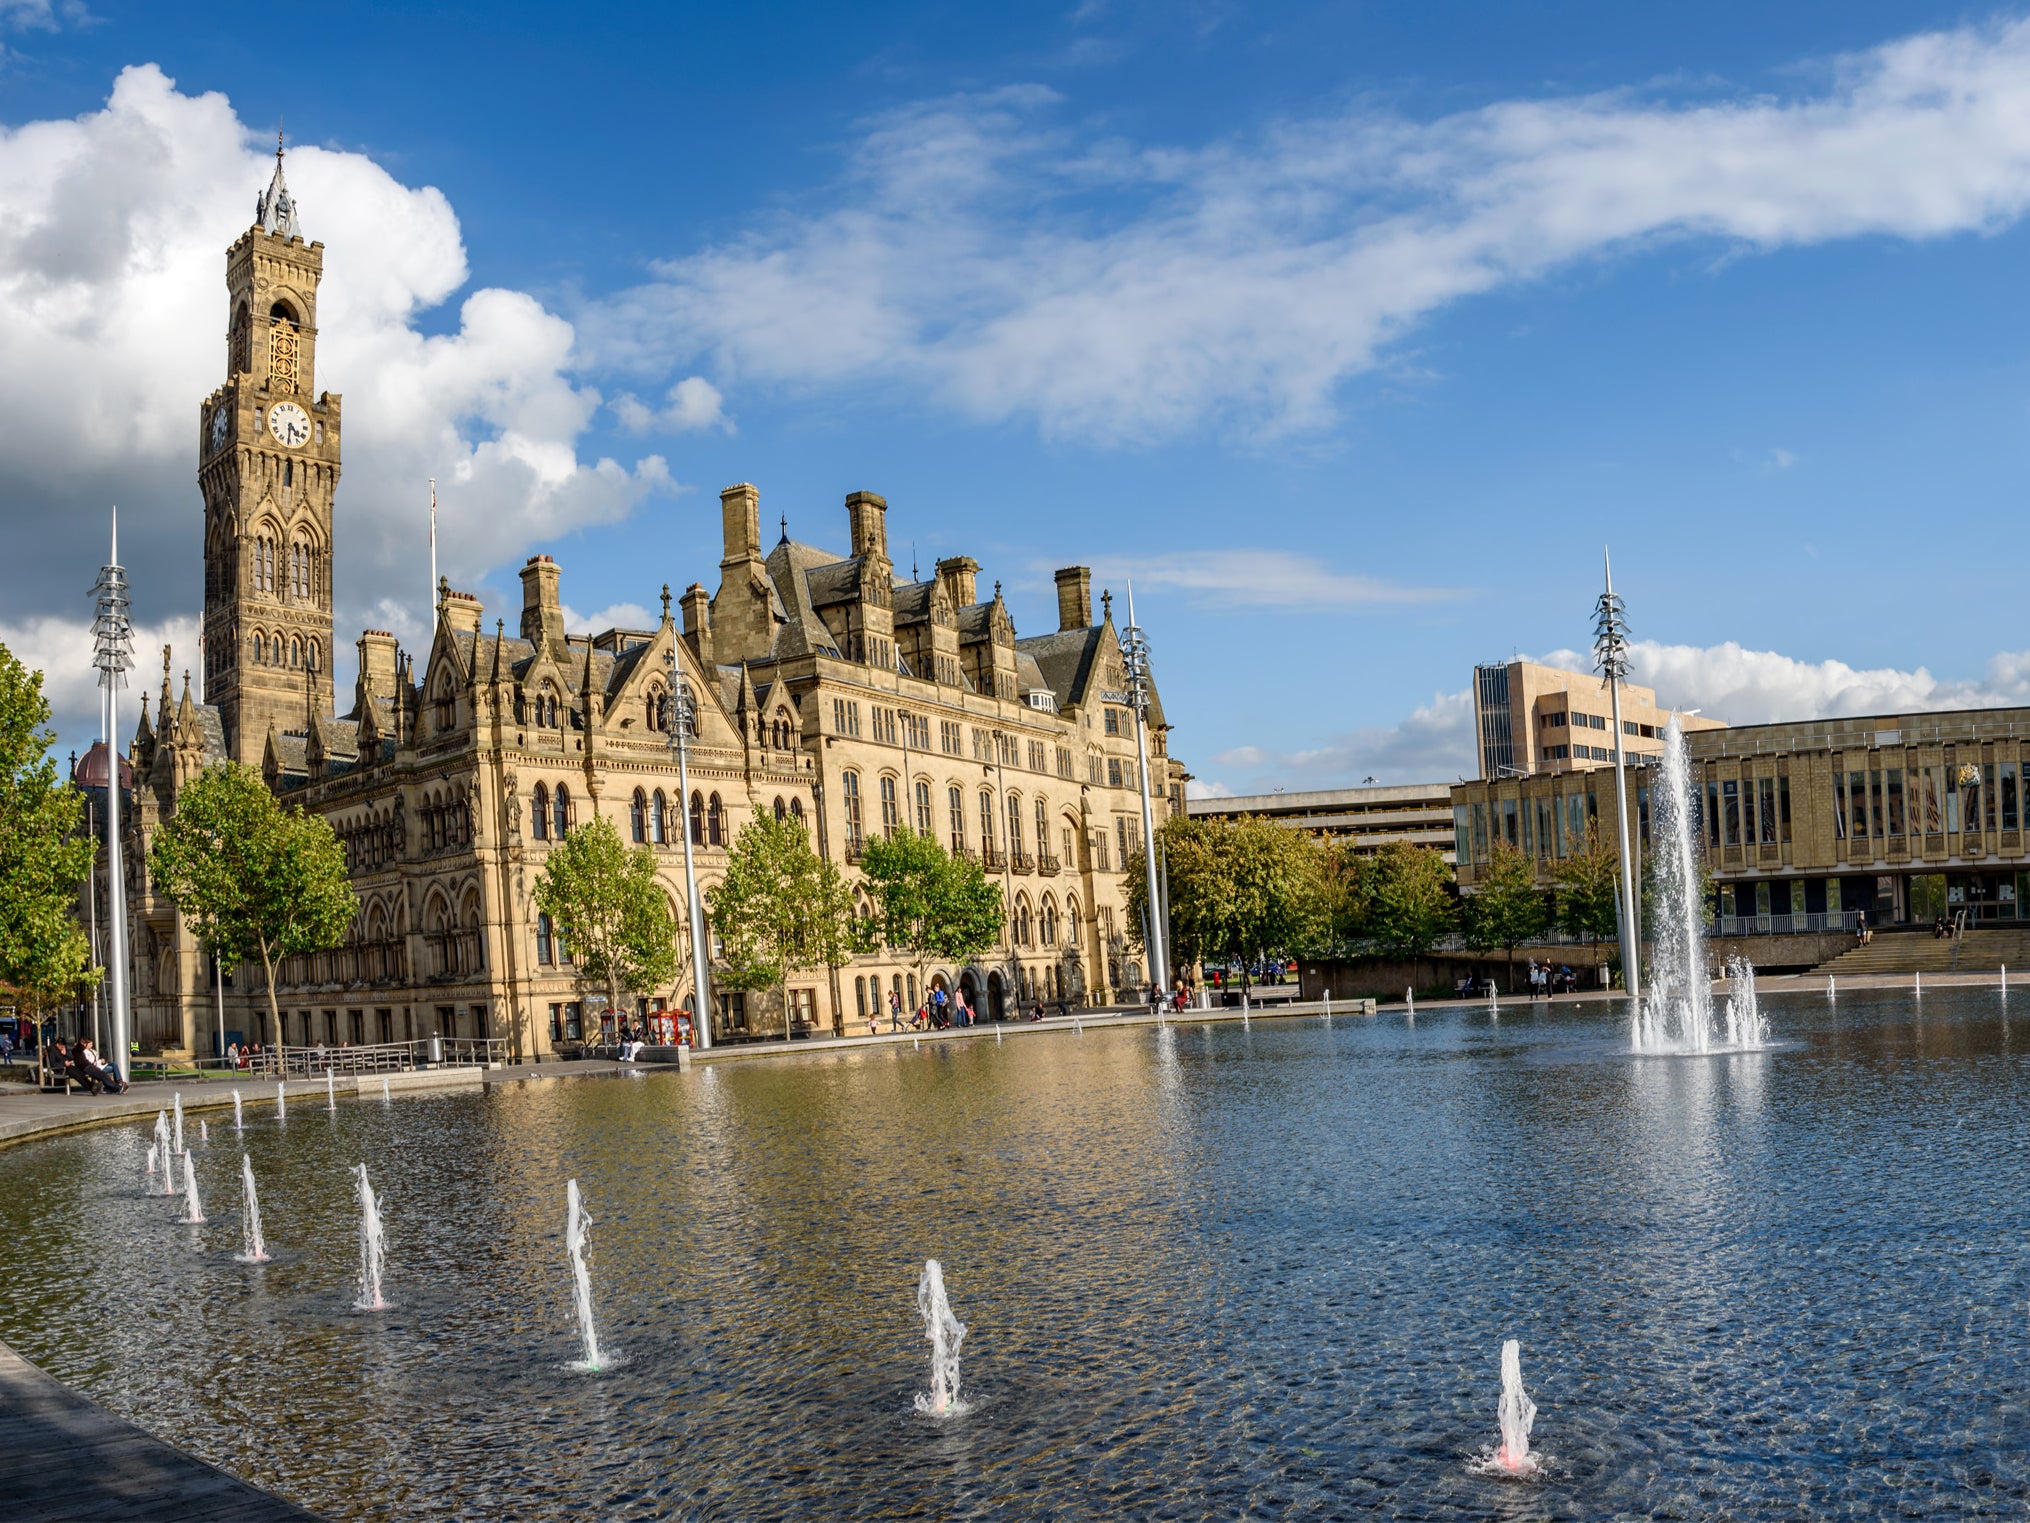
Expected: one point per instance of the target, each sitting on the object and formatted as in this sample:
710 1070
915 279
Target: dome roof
91 769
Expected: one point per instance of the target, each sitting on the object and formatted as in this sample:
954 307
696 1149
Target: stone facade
826 687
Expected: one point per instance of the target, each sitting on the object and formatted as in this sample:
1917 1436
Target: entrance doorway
997 996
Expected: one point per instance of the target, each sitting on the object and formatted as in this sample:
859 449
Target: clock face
289 423
221 425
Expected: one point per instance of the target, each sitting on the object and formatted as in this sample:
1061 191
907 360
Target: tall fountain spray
168 1169
577 1232
204 1131
373 1252
281 1102
945 1333
255 1250
176 1127
386 1098
193 1211
330 1091
239 1121
151 1158
1517 1412
1676 1011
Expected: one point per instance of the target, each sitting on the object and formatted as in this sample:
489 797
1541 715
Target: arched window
563 811
715 823
955 799
447 706
860 996
652 708
637 817
986 820
1021 920
921 795
912 1005
1074 932
1042 827
697 819
260 649
544 952
891 813
295 652
659 828
1015 822
1047 921
849 794
316 660
796 810
539 816
780 811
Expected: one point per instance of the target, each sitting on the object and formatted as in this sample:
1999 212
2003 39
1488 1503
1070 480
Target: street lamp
1610 655
680 712
1135 659
1002 742
113 656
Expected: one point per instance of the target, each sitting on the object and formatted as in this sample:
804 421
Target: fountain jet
373 1250
177 1126
255 1247
1517 1412
330 1091
1676 1012
239 1120
193 1212
282 1102
945 1333
577 1232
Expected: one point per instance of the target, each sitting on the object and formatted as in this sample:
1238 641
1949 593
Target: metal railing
1787 925
380 1057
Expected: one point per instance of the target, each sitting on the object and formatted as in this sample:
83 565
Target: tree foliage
612 907
256 882
930 906
1589 888
1239 890
44 955
1406 904
781 908
1509 908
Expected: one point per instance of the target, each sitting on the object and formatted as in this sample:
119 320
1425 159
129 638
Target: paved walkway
65 1460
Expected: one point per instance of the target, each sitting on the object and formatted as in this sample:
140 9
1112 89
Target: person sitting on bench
94 1075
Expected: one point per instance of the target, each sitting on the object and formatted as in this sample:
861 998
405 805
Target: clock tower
268 469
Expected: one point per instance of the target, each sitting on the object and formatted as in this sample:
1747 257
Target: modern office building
1529 718
1370 818
1900 817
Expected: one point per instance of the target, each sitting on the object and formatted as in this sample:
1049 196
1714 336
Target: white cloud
1009 266
61 649
616 616
693 405
1782 459
1262 579
1435 744
113 231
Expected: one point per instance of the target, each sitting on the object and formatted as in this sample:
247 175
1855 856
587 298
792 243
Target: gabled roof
790 566
1066 660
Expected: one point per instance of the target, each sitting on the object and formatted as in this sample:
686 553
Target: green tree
930 906
1347 880
780 908
1240 890
44 954
1509 908
1408 905
1589 889
257 882
609 903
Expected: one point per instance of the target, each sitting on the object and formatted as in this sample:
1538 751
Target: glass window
1928 783
539 816
1877 821
1839 805
1857 803
2008 795
1462 840
1575 823
1712 813
563 811
715 822
1783 807
1529 840
1509 832
986 820
955 801
1480 832
543 952
922 808
849 794
1730 811
891 813
637 818
1765 812
1015 826
658 819
697 819
1896 801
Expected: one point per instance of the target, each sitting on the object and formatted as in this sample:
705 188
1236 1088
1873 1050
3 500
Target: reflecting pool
1205 1272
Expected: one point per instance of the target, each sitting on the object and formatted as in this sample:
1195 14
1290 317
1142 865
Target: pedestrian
7 1048
894 1011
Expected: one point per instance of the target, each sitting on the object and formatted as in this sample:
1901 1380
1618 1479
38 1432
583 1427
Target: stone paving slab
64 1459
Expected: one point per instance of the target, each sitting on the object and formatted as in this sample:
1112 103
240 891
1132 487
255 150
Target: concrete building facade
1366 818
1529 718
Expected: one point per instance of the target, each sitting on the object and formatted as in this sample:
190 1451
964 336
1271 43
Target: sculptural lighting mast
1610 655
1135 658
680 714
113 656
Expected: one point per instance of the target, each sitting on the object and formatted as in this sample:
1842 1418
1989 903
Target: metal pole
1611 654
1135 653
218 980
1001 741
113 638
681 711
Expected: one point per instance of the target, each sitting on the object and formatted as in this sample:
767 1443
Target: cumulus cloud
986 253
61 649
113 230
1242 578
693 405
615 616
1434 744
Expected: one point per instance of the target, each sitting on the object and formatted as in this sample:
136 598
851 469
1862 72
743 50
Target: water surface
1207 1272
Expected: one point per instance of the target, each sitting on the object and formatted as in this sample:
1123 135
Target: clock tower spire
268 471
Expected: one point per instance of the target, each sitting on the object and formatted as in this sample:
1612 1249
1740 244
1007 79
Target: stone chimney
959 575
542 613
698 623
376 666
867 524
740 521
462 612
1075 597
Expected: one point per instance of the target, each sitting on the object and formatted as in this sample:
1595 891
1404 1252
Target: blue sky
1352 331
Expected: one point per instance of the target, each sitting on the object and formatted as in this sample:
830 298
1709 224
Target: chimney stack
698 623
740 521
377 665
542 613
1075 598
960 575
867 524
